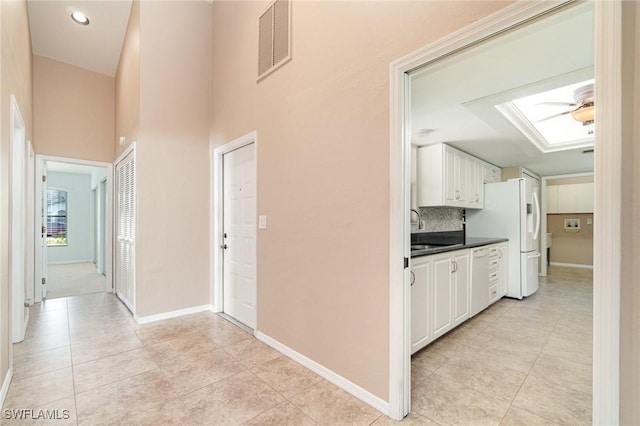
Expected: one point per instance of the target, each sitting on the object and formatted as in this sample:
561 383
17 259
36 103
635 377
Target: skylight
546 118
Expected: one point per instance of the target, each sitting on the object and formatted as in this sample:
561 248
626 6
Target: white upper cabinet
552 199
452 178
584 198
571 198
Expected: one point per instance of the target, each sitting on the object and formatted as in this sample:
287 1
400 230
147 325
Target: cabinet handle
457 194
455 266
413 278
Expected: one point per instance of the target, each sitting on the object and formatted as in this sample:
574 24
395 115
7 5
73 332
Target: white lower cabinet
442 297
503 269
420 290
439 295
461 288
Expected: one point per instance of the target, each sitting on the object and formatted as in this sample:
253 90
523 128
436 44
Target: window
56 217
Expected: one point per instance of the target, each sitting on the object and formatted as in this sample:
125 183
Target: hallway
86 355
74 279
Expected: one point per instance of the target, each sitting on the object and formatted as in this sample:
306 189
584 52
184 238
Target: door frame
216 211
18 154
607 255
543 211
40 160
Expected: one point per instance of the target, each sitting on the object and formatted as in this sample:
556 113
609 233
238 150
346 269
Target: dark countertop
441 242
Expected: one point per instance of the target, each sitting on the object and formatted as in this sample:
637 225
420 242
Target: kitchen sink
423 246
415 247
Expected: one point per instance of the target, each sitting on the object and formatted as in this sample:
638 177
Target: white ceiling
453 100
95 47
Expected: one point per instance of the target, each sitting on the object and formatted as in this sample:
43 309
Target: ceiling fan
584 103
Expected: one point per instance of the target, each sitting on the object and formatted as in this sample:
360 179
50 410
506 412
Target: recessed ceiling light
80 18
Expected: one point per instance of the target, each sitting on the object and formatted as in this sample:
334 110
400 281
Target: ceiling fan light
584 114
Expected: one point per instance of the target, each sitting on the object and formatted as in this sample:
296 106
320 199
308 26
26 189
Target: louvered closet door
126 230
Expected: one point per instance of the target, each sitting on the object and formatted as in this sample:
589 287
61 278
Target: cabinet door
449 176
420 298
476 184
503 269
442 295
460 177
584 197
461 286
566 199
552 199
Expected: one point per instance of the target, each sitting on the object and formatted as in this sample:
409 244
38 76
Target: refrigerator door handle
535 233
532 256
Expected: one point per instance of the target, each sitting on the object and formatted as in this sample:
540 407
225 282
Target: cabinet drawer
493 277
494 264
493 292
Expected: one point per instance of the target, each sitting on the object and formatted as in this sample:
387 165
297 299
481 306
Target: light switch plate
262 222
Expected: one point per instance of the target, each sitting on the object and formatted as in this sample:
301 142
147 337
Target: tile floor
86 355
517 363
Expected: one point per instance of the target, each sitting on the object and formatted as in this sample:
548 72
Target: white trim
216 216
572 265
69 262
607 210
130 148
40 160
172 314
333 377
18 222
5 386
506 18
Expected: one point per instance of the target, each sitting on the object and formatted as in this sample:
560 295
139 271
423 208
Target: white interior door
102 226
18 243
239 235
44 259
125 230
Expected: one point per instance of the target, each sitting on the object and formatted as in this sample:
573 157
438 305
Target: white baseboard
324 372
173 314
5 386
572 265
69 262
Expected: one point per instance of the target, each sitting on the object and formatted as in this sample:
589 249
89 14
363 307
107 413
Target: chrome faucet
419 219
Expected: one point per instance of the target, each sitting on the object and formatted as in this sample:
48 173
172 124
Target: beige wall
127 84
15 78
323 166
630 279
570 181
169 117
571 247
73 111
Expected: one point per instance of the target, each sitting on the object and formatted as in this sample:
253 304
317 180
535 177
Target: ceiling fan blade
554 116
559 103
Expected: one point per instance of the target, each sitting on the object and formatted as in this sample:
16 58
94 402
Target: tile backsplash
437 219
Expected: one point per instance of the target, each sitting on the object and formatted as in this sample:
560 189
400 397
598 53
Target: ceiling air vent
274 37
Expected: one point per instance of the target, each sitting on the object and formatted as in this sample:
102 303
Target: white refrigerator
512 210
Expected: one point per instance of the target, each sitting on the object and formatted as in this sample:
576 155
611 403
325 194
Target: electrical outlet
262 222
572 224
